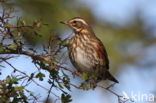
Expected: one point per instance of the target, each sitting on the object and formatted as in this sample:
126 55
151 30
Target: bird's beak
64 22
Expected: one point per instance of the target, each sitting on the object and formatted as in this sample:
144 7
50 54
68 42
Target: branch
30 77
39 57
121 99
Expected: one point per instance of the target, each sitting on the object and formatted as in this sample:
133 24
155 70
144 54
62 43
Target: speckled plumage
86 51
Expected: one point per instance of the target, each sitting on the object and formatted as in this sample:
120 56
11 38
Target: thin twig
121 98
49 93
29 77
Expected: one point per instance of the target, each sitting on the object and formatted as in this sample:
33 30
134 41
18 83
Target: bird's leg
76 73
93 85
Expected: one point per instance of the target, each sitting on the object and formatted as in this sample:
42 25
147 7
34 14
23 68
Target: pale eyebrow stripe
83 21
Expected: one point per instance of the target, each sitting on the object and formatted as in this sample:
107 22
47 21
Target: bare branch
29 77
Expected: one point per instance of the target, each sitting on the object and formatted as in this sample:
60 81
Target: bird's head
77 24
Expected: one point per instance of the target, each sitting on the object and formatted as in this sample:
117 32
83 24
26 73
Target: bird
86 51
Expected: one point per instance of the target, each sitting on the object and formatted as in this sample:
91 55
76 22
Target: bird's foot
93 85
75 73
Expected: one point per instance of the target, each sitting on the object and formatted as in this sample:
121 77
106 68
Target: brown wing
101 53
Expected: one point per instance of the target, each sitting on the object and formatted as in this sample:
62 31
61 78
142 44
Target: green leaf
65 43
23 22
85 86
12 80
54 73
38 24
20 88
85 76
66 81
47 60
8 25
1 48
12 46
40 76
66 98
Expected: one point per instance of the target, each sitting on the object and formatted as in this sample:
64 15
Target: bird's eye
74 22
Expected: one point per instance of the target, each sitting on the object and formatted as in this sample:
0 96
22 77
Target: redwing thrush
86 51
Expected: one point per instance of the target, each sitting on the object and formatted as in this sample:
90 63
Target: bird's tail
110 77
